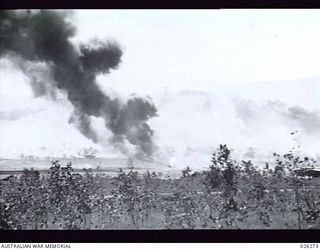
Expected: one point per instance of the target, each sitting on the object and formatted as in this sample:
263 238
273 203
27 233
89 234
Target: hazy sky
202 48
256 55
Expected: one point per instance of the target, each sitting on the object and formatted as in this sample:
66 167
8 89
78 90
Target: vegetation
228 195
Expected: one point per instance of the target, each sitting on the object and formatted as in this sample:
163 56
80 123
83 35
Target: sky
202 48
217 55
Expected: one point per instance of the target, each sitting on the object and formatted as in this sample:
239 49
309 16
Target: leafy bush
228 195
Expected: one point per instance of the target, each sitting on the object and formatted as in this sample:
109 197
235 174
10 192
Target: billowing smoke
294 117
39 41
309 121
246 124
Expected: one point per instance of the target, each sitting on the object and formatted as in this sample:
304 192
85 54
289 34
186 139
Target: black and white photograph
159 119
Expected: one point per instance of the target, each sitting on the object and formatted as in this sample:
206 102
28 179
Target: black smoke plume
43 37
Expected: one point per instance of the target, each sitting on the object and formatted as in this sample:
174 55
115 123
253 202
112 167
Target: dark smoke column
43 37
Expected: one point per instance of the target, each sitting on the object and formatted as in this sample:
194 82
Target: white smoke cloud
194 123
189 126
